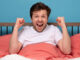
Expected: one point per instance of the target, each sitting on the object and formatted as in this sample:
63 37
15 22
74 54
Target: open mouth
40 24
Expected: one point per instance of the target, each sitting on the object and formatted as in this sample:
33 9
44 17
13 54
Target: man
40 31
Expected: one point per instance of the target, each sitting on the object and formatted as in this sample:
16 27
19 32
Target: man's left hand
60 21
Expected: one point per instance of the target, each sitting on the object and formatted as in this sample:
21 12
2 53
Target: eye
43 16
36 16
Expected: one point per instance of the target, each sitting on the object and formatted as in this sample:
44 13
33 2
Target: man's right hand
15 45
19 22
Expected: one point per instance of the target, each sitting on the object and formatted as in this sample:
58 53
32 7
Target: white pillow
75 58
14 57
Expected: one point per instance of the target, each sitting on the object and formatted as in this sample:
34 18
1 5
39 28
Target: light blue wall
11 9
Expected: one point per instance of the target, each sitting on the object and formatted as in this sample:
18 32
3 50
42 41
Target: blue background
11 9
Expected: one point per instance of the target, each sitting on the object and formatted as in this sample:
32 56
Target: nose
40 19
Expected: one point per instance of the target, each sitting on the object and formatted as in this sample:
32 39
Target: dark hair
39 6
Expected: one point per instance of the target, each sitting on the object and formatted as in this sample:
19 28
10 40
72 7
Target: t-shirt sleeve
21 36
58 35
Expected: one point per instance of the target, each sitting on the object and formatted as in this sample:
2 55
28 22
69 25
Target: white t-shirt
28 35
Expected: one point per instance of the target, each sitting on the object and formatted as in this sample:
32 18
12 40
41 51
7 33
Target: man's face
39 20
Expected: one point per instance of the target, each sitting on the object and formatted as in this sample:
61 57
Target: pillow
75 44
4 42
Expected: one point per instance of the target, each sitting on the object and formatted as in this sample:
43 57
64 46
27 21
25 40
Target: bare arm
65 43
15 45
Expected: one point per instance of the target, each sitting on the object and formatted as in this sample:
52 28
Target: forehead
40 12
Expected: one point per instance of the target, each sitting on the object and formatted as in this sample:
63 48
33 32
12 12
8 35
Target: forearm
66 43
14 41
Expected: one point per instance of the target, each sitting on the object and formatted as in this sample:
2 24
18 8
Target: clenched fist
19 22
60 21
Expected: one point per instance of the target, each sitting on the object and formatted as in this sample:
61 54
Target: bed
71 25
7 25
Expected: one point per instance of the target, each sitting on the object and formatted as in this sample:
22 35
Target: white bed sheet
18 57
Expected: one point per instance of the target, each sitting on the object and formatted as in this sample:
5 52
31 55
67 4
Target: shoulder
24 29
53 27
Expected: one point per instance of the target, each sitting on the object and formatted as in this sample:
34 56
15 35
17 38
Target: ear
31 19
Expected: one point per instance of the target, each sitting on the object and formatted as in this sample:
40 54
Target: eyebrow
42 14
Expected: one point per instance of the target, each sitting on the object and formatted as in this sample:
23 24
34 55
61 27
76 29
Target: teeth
40 25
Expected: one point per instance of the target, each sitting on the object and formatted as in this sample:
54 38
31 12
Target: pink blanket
42 51
45 51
